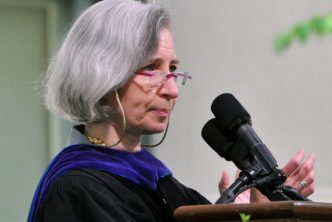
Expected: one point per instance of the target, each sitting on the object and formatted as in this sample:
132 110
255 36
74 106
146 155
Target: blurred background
227 45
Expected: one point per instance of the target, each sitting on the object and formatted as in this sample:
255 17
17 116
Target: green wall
29 135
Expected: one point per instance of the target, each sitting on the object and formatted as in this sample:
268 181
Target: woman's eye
173 68
149 68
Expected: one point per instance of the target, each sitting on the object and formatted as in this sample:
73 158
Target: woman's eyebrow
159 60
176 61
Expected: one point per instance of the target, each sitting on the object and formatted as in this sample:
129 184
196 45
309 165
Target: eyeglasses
157 78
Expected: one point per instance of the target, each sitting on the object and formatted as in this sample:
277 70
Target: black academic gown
92 195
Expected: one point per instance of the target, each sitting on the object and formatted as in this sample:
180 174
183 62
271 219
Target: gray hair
105 46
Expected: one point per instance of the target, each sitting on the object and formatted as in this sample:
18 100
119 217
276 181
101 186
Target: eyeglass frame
175 75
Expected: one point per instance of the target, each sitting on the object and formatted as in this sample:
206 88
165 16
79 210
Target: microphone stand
242 183
237 187
270 185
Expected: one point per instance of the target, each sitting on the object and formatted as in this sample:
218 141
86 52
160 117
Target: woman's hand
300 175
244 197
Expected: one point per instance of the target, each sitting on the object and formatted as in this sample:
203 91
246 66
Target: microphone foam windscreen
215 138
229 112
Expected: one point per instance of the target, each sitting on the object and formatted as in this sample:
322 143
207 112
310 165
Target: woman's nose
169 89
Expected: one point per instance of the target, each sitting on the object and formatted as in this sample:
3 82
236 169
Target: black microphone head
215 138
224 147
229 112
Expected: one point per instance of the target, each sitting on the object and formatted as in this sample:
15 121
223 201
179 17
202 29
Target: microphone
234 121
231 151
223 146
230 135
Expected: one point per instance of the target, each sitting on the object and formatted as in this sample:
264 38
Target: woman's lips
161 112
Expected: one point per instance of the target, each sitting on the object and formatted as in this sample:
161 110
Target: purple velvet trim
139 167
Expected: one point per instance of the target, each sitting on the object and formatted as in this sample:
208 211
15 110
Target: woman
115 72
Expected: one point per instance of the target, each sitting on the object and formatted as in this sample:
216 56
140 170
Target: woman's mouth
161 112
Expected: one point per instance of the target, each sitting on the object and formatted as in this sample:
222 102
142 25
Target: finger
309 179
306 167
224 182
295 181
243 197
237 174
309 164
294 163
309 190
304 172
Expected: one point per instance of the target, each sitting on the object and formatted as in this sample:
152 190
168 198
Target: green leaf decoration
318 25
245 217
282 42
302 32
328 23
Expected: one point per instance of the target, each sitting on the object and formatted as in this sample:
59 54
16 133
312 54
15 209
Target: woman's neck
108 134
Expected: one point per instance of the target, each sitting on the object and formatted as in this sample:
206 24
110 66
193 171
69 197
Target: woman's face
147 108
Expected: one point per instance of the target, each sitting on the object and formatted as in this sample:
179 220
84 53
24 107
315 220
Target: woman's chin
155 129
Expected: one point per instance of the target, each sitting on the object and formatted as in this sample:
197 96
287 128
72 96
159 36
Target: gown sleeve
78 199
